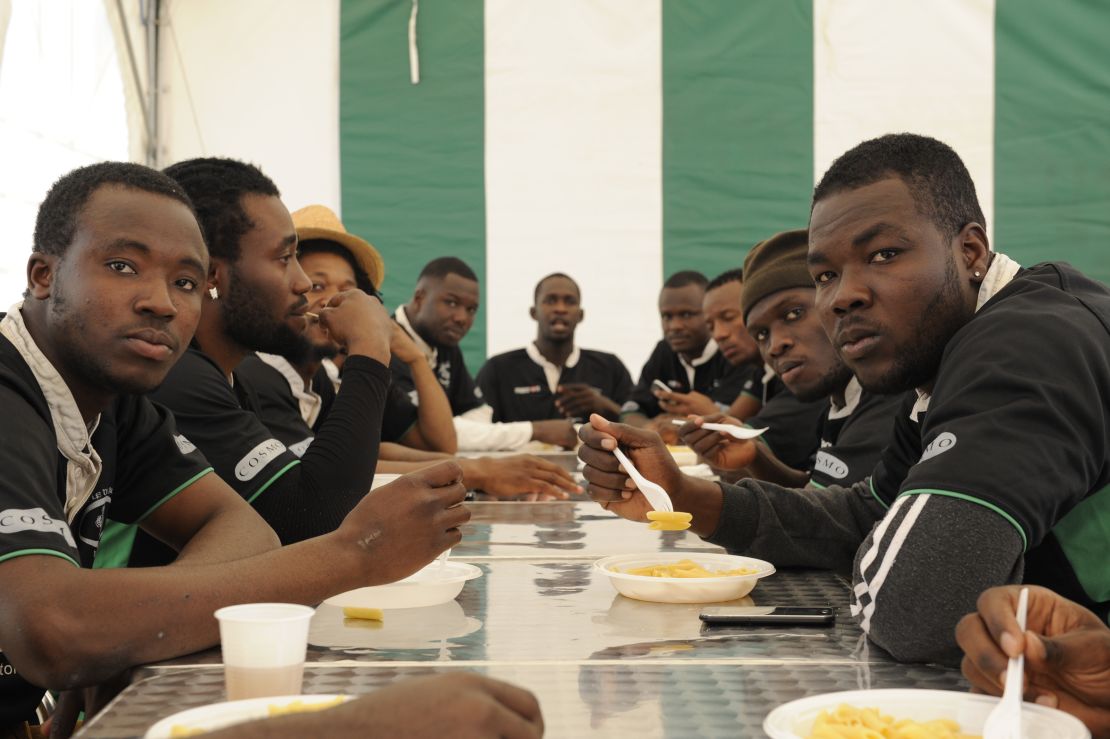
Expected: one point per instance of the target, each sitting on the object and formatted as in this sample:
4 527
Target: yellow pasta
685 568
177 731
669 521
300 706
369 614
849 722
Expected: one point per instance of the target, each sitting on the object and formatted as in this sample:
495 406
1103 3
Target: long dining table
543 617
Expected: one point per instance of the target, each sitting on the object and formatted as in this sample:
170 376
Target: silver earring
216 293
977 274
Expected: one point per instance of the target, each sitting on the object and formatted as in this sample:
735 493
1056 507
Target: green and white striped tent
621 140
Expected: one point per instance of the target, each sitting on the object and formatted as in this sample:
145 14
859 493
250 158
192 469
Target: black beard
248 323
835 379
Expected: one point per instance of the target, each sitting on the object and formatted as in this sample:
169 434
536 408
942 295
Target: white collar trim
74 438
706 354
308 401
853 392
550 370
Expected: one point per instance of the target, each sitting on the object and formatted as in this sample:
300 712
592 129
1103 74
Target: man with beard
998 467
257 303
552 377
778 307
686 360
441 312
296 394
114 296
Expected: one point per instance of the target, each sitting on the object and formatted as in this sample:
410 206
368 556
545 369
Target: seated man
685 360
1066 648
114 296
551 377
999 464
295 394
441 311
778 307
257 303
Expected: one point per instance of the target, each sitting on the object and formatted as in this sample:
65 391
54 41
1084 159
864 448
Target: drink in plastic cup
263 647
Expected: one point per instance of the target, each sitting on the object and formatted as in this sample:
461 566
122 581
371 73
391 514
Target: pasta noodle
669 521
685 568
849 722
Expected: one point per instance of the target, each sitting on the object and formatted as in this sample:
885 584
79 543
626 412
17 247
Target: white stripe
885 66
900 535
574 166
876 540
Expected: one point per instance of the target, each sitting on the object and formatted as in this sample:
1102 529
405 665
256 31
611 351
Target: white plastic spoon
1004 721
739 432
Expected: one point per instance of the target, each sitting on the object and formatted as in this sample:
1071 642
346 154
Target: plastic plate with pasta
683 577
198 721
939 714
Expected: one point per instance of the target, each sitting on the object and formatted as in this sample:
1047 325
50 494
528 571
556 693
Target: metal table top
633 699
562 530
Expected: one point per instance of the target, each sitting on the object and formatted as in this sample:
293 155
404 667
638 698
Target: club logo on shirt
444 374
257 458
90 524
830 465
301 446
414 398
939 445
526 389
184 445
14 520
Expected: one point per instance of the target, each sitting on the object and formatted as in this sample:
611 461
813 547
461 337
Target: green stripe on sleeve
737 127
977 501
412 157
1052 141
273 479
47 552
174 492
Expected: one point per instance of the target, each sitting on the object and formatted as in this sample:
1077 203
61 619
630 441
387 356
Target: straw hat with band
320 222
779 263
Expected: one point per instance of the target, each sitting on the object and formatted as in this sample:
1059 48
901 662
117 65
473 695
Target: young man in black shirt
552 377
296 395
999 463
778 307
441 311
257 302
115 283
686 360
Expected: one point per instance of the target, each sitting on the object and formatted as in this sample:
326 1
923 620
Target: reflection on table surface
578 530
541 616
633 699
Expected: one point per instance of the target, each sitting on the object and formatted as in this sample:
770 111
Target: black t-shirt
852 443
1019 422
516 387
145 462
451 371
793 427
716 378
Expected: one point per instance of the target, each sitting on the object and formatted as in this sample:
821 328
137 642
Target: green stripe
172 493
1083 535
1052 141
412 156
47 552
737 127
971 499
272 480
874 494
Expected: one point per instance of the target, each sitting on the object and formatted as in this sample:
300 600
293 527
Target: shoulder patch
830 465
14 520
257 458
939 445
184 445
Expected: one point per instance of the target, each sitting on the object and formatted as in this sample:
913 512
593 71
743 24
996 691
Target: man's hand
609 485
518 476
402 346
1066 647
579 400
402 526
460 704
721 451
558 432
359 324
685 404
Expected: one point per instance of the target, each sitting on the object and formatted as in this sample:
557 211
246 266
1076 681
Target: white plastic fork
655 494
739 432
1004 721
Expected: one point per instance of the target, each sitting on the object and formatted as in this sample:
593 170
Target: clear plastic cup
263 647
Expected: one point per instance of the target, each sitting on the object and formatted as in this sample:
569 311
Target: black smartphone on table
781 615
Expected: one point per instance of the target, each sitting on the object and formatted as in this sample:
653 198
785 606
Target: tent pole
151 144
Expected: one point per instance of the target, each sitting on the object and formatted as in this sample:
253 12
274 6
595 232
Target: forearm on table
434 415
227 537
91 624
931 562
393 452
792 527
769 468
477 436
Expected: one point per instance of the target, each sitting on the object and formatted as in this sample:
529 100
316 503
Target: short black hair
730 275
536 292
939 182
56 223
443 266
315 246
686 277
217 187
